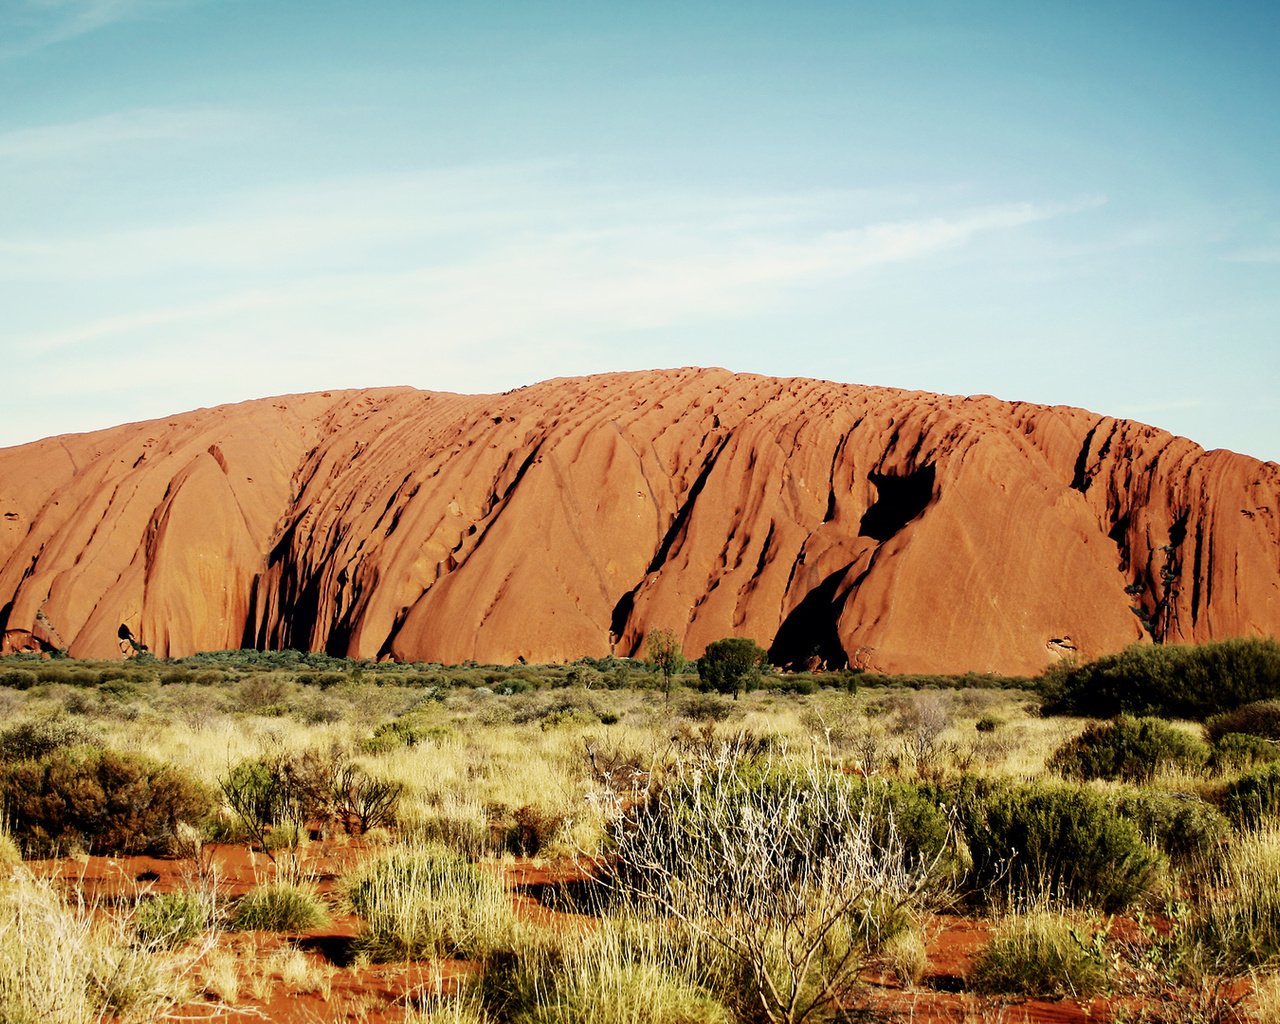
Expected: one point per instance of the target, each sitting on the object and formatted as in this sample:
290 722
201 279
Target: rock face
894 530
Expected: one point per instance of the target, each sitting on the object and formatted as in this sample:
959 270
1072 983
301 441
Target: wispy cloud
74 140
485 256
34 24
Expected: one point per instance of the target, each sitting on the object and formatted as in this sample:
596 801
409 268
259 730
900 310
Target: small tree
666 655
731 665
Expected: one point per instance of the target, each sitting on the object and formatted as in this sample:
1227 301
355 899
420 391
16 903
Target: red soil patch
381 993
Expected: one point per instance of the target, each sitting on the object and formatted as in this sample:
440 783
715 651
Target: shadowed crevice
811 628
901 499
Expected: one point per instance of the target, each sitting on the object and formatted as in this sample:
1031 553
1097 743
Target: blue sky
205 201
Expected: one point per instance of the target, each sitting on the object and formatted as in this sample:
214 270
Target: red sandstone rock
897 530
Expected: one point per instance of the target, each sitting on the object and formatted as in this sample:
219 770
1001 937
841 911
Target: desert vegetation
245 834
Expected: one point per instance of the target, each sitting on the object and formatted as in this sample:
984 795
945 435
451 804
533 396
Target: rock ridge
843 524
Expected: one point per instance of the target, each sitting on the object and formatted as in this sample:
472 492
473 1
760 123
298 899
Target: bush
279 907
1254 796
705 707
781 866
1065 843
407 731
1129 749
1165 680
1238 752
1259 718
363 801
284 793
427 901
100 801
37 737
1185 829
1041 954
914 816
172 919
531 830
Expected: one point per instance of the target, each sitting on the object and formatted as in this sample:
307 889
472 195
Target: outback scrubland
284 836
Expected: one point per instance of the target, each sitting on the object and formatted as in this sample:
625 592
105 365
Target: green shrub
279 907
1130 749
988 723
916 817
172 919
427 901
1183 828
36 737
1238 752
568 717
705 707
790 683
1254 796
407 731
285 792
1259 718
1066 843
18 679
1167 680
1042 954
100 801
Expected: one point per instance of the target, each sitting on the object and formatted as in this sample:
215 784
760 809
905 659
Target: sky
207 201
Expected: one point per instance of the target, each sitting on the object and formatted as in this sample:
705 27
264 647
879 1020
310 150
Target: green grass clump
73 964
1239 919
1042 953
628 968
10 855
427 901
1128 749
610 992
279 907
173 919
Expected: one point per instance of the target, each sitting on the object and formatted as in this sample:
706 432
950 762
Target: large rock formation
897 530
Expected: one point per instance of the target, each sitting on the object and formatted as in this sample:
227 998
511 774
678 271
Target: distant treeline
213 668
1193 682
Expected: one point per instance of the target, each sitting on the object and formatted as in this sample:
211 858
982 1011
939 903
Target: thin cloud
37 24
73 140
522 277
